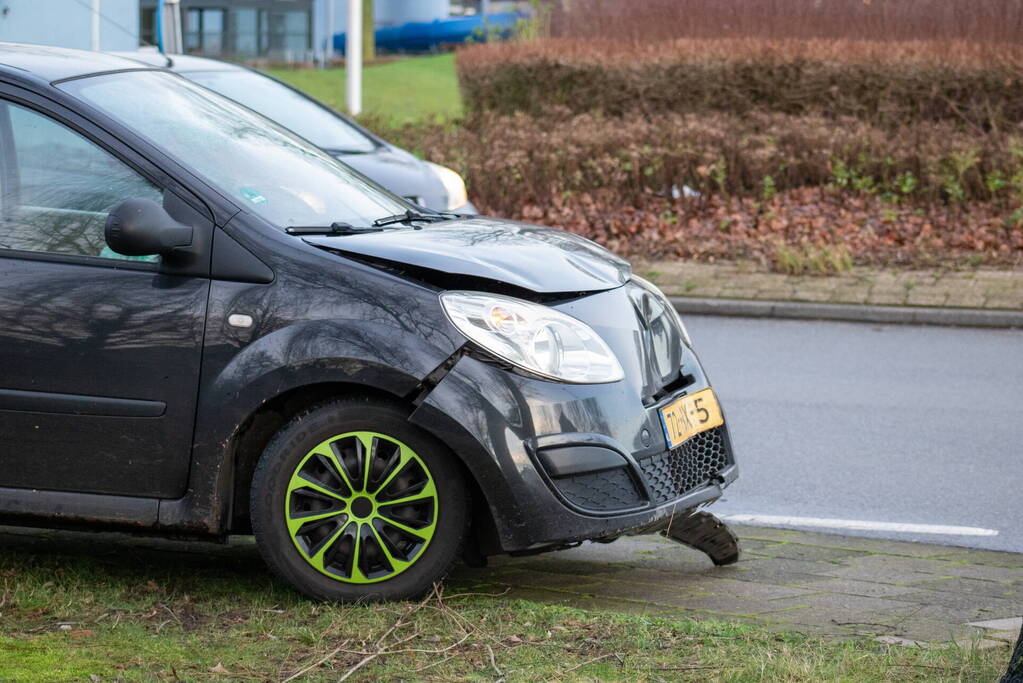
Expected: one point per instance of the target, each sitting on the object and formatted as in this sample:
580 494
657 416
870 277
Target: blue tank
427 36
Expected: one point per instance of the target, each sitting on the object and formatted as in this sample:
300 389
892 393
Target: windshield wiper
408 217
339 228
332 229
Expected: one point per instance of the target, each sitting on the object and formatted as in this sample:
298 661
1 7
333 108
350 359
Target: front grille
685 467
608 490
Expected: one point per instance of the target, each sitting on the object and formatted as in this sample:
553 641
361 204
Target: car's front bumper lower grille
686 467
653 480
603 491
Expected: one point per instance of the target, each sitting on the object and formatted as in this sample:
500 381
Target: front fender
245 368
353 351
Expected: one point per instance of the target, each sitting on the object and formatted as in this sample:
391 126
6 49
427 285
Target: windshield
262 166
287 107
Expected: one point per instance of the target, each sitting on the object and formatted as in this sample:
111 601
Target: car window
287 107
59 188
264 167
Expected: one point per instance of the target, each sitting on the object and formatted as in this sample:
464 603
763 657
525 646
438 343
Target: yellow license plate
687 416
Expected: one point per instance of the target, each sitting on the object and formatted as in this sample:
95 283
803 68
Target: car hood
401 173
541 260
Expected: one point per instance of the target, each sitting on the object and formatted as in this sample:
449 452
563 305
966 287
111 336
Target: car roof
180 63
56 63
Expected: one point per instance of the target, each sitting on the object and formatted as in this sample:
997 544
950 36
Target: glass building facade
279 30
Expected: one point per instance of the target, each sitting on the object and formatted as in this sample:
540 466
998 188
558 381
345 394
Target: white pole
179 36
170 27
95 25
329 52
353 57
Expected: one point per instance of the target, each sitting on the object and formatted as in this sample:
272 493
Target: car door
99 354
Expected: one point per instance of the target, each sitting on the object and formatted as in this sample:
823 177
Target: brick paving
979 288
906 593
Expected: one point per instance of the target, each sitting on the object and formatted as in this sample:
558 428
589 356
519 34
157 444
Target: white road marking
859 525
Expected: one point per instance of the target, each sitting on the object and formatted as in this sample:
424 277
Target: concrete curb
805 310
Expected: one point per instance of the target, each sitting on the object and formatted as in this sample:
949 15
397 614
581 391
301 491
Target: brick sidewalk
906 593
986 288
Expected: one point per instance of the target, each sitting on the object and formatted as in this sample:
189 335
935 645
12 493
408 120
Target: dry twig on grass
319 663
591 661
383 648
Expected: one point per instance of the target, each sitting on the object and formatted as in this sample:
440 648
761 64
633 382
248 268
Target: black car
422 182
209 326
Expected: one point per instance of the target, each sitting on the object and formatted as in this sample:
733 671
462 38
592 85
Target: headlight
669 309
453 184
536 338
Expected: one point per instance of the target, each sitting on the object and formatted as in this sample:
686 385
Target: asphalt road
851 423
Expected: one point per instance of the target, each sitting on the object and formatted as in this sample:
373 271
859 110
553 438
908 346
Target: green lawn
75 607
406 90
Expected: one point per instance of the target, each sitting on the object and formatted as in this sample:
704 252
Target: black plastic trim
566 461
232 261
79 507
108 72
75 404
568 439
588 439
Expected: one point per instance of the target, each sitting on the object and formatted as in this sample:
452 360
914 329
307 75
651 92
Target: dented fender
359 328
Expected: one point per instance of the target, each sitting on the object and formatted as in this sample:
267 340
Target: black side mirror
141 227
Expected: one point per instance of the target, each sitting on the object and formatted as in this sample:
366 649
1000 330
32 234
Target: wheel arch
243 383
253 435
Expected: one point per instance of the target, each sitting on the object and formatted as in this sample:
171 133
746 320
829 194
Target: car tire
323 504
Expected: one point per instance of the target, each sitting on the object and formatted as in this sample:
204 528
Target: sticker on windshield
253 196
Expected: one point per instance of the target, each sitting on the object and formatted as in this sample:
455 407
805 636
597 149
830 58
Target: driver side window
58 188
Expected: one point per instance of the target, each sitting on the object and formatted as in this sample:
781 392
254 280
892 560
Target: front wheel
350 502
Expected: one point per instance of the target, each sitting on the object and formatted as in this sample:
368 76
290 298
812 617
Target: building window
147 26
288 34
252 32
245 30
204 31
239 29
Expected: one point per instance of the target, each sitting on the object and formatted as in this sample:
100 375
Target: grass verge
412 90
79 607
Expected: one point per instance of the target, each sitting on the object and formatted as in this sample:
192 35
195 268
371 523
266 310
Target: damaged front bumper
560 463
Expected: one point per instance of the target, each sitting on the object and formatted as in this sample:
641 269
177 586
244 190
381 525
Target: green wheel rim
361 507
